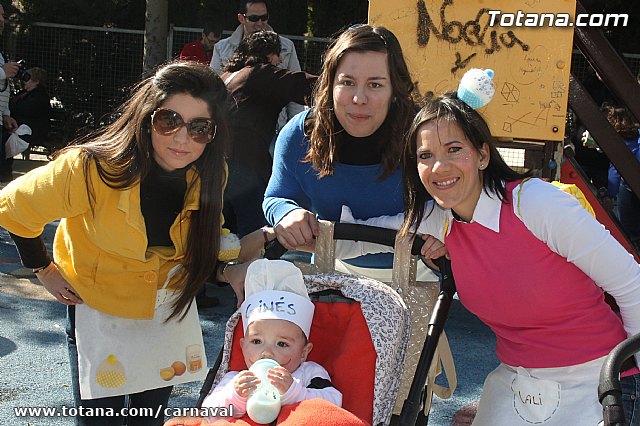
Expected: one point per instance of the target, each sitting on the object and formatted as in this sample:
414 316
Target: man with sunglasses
253 16
201 50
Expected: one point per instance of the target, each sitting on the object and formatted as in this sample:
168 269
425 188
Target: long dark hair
254 50
449 107
324 133
122 155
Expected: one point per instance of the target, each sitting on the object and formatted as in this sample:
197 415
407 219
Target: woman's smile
449 166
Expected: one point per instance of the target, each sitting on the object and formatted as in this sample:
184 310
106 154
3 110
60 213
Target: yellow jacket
102 254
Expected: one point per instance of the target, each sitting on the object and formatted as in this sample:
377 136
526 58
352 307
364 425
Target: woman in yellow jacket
140 205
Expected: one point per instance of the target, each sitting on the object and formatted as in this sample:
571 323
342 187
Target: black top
33 109
161 200
361 151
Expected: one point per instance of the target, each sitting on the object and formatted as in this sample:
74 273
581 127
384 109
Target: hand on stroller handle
358 232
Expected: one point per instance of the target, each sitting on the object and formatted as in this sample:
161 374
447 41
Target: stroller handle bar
609 390
351 232
414 403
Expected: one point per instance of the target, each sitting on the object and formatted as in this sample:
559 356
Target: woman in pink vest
530 262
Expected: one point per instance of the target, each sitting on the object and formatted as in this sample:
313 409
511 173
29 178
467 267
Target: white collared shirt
557 218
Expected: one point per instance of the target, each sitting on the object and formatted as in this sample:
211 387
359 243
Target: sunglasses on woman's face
167 122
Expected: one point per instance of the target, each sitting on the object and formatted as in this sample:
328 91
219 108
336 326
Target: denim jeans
6 164
153 398
631 398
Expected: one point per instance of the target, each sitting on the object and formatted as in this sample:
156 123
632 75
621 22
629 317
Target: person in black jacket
259 90
30 106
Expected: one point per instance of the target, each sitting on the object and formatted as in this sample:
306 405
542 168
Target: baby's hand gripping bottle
263 405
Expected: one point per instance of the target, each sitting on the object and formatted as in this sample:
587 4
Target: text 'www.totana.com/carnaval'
158 412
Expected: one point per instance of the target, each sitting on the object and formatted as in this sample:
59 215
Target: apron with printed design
517 396
120 356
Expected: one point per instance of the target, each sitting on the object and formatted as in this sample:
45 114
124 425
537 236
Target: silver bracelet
224 269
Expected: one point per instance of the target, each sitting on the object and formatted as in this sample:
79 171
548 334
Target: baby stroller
609 390
360 332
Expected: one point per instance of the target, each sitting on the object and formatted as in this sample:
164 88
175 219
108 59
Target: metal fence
91 68
580 67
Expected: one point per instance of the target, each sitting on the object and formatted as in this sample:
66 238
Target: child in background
278 334
628 203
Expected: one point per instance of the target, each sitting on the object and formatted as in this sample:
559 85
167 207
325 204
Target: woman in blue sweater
346 150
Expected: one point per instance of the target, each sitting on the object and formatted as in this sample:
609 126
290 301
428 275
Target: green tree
197 13
327 17
116 13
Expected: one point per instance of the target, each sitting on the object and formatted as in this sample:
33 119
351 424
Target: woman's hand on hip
55 284
296 229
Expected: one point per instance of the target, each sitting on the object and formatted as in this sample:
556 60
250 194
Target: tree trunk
155 34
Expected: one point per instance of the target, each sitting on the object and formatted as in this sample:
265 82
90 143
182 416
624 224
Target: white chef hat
274 289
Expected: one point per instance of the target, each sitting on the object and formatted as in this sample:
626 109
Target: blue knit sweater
295 184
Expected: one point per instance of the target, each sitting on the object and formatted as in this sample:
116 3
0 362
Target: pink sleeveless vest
544 311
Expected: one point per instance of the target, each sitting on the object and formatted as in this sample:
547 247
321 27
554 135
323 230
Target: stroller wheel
422 418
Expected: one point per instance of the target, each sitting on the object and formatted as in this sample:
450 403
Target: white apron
514 396
120 356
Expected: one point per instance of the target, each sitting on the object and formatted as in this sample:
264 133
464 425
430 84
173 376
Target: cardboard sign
530 54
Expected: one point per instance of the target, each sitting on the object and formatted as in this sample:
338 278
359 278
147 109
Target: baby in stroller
360 334
276 318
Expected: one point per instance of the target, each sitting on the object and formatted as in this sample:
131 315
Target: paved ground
34 368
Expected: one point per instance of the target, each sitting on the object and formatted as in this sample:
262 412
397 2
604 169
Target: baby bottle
263 405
